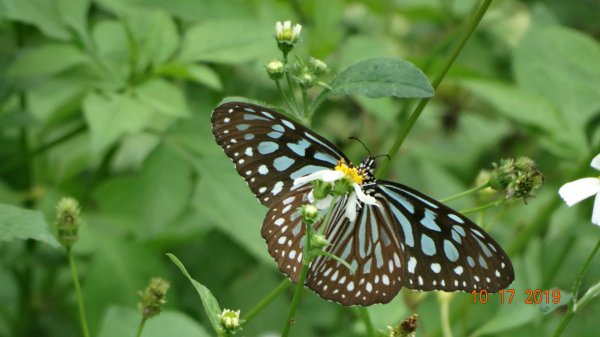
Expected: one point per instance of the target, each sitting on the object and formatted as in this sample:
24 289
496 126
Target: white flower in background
584 188
341 171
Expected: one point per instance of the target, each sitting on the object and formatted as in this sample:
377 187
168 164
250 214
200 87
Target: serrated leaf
211 305
74 13
163 97
111 116
48 59
379 77
156 38
227 41
22 224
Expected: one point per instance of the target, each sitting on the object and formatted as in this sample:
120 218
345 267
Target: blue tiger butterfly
409 240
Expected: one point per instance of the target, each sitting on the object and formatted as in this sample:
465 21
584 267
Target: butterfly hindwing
443 249
268 149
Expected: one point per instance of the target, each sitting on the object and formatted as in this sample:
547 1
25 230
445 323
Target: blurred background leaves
109 101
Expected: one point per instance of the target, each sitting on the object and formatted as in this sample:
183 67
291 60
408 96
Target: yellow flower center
350 173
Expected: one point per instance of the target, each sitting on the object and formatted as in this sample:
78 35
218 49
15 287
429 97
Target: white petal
310 177
331 176
351 207
596 212
596 162
324 203
367 199
278 27
287 25
311 197
578 190
297 30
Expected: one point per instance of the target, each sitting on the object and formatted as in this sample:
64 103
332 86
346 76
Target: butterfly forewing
443 249
269 150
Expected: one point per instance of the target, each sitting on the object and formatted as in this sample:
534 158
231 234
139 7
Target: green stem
575 290
472 25
467 192
82 317
284 95
445 317
141 327
305 104
481 208
266 301
308 256
363 313
296 298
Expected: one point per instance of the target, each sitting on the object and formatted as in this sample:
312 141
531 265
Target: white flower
584 188
285 33
342 171
230 319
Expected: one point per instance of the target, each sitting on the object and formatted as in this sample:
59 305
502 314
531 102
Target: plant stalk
82 316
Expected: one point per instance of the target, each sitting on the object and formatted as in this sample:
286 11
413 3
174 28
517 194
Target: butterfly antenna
363 144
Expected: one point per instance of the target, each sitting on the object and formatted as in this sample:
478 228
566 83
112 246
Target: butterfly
407 240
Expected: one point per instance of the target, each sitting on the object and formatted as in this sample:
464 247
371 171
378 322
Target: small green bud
153 297
306 79
275 69
309 213
318 241
321 189
342 186
319 67
230 320
68 221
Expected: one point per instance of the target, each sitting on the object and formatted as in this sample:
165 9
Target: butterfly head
361 174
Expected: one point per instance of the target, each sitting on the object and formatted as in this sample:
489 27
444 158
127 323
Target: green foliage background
109 101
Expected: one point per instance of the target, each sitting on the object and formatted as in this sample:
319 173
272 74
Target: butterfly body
408 239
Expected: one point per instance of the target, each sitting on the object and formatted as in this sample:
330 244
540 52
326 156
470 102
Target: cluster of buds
153 297
68 221
519 178
305 74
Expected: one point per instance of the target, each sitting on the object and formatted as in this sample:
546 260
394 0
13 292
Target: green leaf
136 196
211 306
47 59
155 36
379 77
111 116
565 298
116 273
113 51
219 185
563 66
199 73
74 14
123 321
227 41
163 97
22 224
40 13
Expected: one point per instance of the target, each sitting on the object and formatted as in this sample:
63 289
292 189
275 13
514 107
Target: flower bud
306 79
287 36
153 297
319 67
230 320
275 69
318 241
68 221
321 189
309 213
